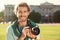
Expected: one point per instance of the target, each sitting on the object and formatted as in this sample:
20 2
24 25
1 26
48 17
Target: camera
33 27
35 30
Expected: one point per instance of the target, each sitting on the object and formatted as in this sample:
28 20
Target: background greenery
48 31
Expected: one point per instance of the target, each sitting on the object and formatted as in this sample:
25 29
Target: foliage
35 16
56 17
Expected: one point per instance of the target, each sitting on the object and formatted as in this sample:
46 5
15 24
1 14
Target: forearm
21 37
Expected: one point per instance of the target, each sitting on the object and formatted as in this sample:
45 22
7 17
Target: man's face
22 13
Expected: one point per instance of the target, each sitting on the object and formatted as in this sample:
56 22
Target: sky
29 2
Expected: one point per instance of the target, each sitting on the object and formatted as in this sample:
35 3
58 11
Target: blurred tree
14 17
1 16
56 17
35 16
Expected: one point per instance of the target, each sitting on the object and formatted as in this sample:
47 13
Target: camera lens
35 30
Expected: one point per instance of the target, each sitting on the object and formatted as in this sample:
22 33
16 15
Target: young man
19 30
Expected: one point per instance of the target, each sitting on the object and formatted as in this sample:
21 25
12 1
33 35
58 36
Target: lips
21 17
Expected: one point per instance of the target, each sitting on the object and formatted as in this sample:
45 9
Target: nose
22 14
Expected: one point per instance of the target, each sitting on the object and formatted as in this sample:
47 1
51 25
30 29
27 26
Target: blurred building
45 9
8 13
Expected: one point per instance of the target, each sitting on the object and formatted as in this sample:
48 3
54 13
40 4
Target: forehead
22 8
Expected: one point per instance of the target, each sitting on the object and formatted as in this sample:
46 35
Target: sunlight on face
22 13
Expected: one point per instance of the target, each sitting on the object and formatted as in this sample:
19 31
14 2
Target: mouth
21 17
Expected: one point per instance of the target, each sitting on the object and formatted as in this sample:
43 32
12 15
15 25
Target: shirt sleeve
9 35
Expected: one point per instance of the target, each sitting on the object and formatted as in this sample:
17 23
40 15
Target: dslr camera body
34 28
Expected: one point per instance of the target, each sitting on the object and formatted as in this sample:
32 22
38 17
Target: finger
26 28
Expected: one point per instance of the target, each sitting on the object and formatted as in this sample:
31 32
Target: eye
19 12
25 11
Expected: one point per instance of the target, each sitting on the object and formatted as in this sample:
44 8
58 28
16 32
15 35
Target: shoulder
9 28
32 23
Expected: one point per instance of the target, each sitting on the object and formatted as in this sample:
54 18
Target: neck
23 23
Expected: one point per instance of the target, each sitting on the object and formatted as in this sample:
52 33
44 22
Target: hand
24 33
29 34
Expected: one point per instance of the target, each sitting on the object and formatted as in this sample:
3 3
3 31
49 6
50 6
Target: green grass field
3 28
48 31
